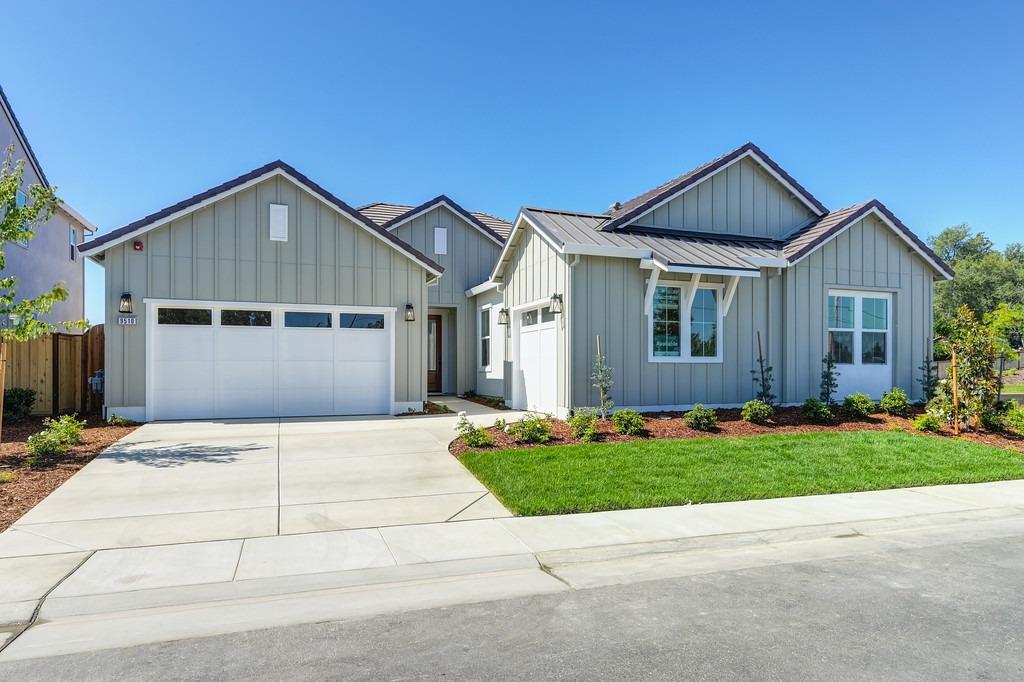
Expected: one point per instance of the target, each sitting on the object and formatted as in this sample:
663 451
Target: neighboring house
52 256
268 295
679 281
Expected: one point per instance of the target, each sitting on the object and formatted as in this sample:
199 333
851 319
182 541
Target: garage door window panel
361 321
185 316
246 318
306 320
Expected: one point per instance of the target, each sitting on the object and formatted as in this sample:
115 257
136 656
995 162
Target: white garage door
537 360
234 360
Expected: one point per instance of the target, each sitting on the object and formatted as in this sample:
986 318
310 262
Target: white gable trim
751 154
521 220
882 217
481 288
455 211
358 220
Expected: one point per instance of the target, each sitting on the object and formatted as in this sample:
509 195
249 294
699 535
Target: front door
434 354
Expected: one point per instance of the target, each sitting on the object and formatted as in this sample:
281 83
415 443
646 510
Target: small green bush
65 428
757 412
6 476
895 426
701 418
927 422
117 420
583 424
42 446
628 422
816 411
18 403
1015 419
940 408
895 402
532 428
472 435
858 405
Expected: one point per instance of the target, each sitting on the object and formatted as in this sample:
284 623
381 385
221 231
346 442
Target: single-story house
269 296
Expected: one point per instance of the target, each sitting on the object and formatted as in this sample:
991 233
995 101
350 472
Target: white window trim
440 241
684 326
858 325
481 336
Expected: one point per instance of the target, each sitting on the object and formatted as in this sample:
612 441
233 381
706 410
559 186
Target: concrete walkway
80 601
177 482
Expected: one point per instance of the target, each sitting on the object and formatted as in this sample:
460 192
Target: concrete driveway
199 481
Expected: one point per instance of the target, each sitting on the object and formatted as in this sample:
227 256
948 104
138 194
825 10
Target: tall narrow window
485 338
440 240
73 242
875 326
841 329
667 322
704 324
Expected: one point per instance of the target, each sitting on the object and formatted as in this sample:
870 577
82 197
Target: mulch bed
730 423
428 408
485 400
31 485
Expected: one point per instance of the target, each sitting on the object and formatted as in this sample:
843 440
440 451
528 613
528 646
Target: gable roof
271 169
390 216
20 132
651 199
811 237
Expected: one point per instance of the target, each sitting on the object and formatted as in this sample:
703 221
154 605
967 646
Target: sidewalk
109 598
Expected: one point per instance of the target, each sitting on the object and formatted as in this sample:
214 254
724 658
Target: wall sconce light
125 306
556 304
410 313
503 316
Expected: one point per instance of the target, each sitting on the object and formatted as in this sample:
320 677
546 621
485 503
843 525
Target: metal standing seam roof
382 213
679 249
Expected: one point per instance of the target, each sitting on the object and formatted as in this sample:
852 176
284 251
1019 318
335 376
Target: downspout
568 310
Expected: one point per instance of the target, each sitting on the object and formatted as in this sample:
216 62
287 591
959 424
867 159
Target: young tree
829 381
601 376
18 222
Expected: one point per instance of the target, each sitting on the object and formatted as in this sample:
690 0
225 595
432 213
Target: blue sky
133 106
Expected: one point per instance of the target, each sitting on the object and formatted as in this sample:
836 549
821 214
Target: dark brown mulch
730 423
429 408
485 400
31 485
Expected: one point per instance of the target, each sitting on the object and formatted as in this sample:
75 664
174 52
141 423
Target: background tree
20 317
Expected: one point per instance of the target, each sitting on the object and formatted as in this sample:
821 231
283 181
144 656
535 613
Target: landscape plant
628 422
19 221
973 385
532 428
816 411
43 446
895 402
757 412
601 378
829 381
763 377
858 405
927 422
701 418
18 403
929 379
583 424
471 434
118 420
65 428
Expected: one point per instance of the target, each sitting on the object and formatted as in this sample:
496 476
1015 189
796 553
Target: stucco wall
223 252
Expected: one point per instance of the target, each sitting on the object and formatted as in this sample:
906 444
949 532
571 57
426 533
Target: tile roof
383 213
637 206
141 225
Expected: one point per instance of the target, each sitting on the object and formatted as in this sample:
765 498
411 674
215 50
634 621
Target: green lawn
564 479
1013 388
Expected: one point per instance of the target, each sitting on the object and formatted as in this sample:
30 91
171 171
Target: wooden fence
58 367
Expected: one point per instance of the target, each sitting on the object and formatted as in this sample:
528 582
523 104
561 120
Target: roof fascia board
607 251
414 213
481 288
872 209
76 216
750 153
22 137
767 261
708 270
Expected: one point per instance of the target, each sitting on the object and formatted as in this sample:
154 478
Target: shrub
6 476
895 426
43 445
895 402
501 424
117 420
816 411
471 434
583 424
940 408
18 403
829 381
628 422
858 405
65 428
701 418
976 353
757 412
927 422
1015 419
532 428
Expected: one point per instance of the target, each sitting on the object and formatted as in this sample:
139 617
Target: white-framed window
858 327
485 338
279 222
73 242
440 240
678 332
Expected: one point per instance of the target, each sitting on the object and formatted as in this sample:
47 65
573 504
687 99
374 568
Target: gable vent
279 222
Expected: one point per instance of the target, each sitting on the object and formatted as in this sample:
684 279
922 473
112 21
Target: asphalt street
941 612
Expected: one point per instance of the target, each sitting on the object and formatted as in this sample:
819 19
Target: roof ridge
585 214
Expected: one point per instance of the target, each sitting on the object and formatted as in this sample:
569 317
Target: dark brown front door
434 353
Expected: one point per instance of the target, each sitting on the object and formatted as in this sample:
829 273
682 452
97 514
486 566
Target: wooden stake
3 381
